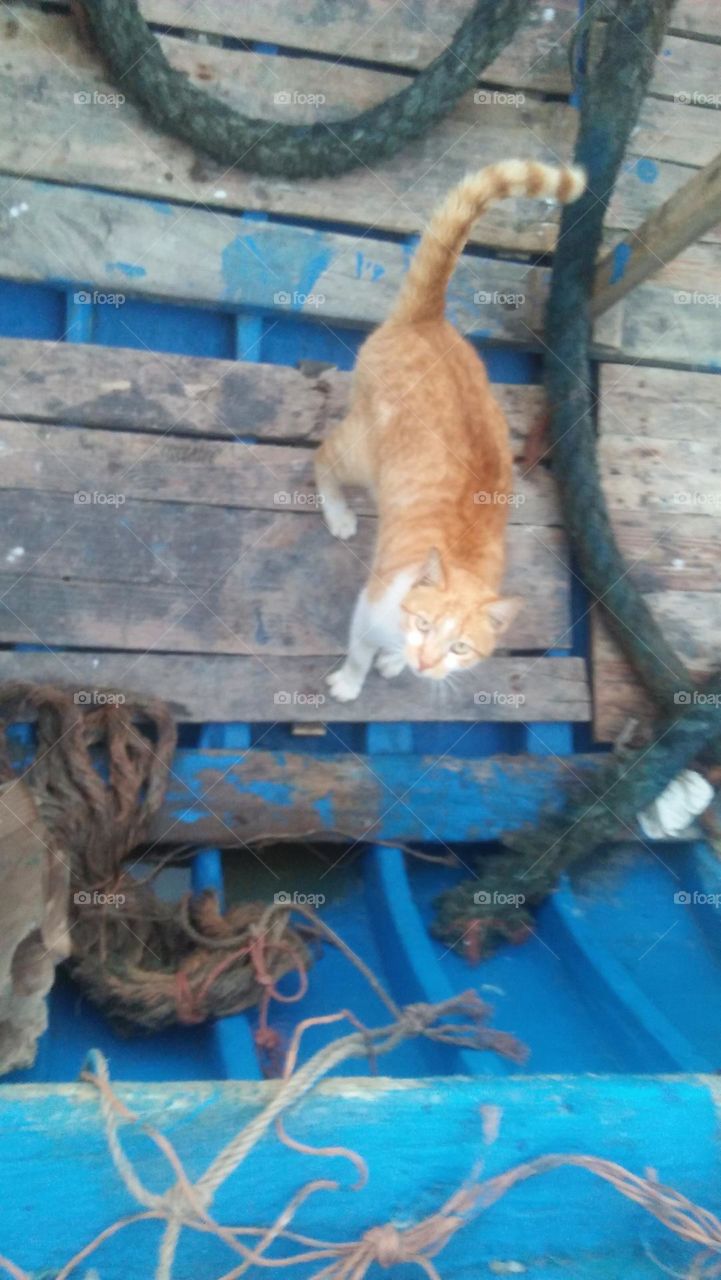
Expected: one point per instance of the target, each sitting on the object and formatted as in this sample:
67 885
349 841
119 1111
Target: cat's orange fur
426 437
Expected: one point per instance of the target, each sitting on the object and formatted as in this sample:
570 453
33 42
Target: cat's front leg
346 683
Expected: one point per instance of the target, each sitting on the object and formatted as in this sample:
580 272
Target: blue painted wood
420 1139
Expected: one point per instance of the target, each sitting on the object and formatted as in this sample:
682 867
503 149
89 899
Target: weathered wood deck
159 529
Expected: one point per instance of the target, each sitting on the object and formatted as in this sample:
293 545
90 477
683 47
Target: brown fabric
98 776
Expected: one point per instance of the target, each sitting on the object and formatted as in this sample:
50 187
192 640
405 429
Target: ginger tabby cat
426 437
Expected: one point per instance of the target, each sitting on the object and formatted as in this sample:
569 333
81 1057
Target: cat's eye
460 648
423 624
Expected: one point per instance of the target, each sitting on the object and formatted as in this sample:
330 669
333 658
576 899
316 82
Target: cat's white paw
341 521
344 687
390 664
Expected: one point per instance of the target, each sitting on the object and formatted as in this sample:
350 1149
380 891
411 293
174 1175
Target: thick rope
611 102
138 65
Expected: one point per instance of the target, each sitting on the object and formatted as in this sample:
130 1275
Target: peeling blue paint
130 270
191 815
324 808
646 170
263 271
367 269
621 255
280 793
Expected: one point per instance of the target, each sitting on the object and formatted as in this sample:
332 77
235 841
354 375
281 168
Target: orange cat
426 437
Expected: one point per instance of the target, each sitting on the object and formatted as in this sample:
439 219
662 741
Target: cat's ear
432 574
501 612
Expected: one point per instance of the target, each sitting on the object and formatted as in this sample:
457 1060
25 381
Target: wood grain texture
95 143
192 578
292 690
201 256
659 462
409 35
219 797
150 391
102 145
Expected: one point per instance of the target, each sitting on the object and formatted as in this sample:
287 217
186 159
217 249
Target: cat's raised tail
423 292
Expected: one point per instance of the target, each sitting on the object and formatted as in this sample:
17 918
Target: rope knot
416 1018
388 1246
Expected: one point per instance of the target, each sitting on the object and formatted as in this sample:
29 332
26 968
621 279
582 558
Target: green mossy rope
613 94
139 67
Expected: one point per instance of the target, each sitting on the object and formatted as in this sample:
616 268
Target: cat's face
451 621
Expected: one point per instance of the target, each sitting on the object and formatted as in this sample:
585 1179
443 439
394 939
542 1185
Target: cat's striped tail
423 292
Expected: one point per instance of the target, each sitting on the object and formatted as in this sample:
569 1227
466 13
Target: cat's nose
423 666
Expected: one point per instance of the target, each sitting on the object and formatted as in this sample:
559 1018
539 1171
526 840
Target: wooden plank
697 17
193 578
409 35
203 256
88 463
111 387
665 403
690 621
688 68
671 228
664 493
437 1143
53 136
96 144
675 318
221 688
219 797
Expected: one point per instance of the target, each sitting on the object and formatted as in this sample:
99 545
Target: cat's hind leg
333 469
